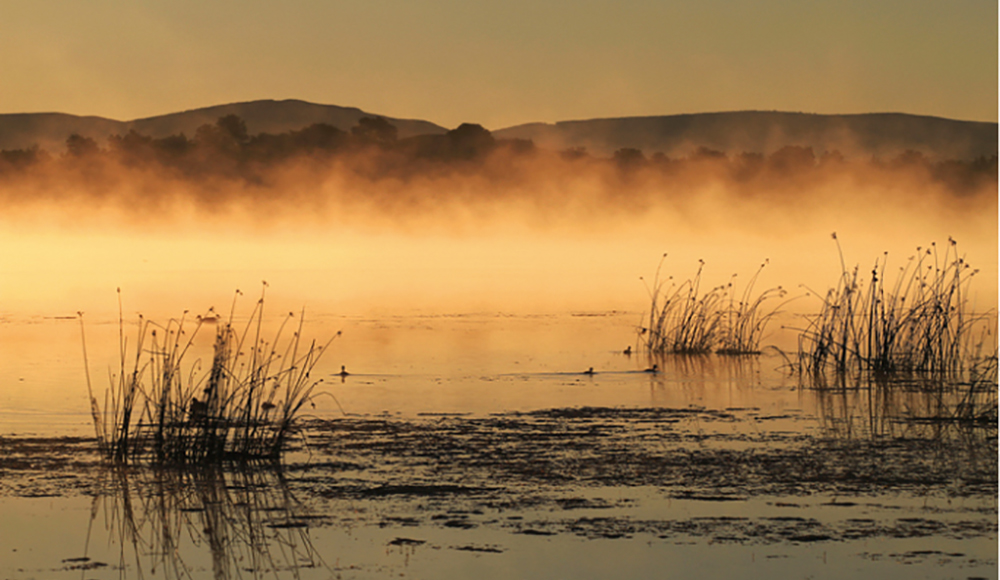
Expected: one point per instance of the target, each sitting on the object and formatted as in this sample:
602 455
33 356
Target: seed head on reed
243 408
922 322
683 320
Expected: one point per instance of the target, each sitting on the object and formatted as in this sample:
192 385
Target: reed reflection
898 405
716 379
185 523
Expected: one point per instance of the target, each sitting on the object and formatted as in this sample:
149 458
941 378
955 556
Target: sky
502 63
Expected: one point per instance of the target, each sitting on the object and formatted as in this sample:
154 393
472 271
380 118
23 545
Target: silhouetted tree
173 147
832 158
267 147
375 131
574 153
703 153
469 141
629 157
319 136
985 165
233 126
132 148
910 158
21 157
227 136
79 146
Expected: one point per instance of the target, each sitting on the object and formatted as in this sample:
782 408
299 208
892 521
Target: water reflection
716 379
893 406
240 523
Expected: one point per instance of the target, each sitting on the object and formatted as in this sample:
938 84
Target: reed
685 320
747 319
244 408
922 322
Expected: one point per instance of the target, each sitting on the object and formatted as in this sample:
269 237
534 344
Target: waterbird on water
652 369
198 410
627 351
343 371
589 371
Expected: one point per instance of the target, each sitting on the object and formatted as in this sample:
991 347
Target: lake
464 444
490 422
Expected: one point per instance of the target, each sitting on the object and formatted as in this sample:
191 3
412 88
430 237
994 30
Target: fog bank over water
366 223
465 244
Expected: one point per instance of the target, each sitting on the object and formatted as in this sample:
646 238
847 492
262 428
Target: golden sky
502 63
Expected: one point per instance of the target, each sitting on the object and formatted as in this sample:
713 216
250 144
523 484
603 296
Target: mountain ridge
732 132
24 130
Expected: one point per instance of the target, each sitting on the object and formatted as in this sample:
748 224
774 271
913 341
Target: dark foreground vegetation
244 408
224 153
915 333
915 330
685 319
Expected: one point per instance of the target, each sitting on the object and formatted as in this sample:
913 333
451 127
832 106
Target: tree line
374 150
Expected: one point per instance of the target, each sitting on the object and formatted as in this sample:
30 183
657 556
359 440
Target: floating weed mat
520 459
923 322
684 319
244 408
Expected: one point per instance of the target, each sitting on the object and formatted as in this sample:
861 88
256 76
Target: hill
50 130
881 135
865 135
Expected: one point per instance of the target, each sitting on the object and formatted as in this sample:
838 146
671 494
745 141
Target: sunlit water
476 343
408 365
422 369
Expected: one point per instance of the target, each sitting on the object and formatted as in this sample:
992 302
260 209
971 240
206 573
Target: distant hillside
879 134
50 130
862 136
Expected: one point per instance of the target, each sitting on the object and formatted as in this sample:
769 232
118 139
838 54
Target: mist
366 223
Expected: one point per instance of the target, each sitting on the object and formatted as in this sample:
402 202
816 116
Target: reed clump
922 322
244 408
684 319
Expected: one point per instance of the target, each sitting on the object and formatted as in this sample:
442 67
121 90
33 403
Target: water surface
468 444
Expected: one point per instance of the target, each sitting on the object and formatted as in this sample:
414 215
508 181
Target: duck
627 351
343 371
589 371
652 369
198 410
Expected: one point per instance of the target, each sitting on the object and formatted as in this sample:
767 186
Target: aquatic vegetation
919 337
684 320
243 408
923 322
